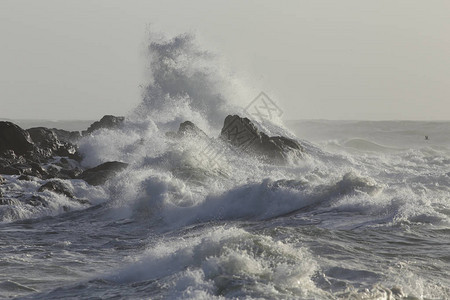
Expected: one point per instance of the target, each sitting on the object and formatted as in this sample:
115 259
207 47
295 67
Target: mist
358 60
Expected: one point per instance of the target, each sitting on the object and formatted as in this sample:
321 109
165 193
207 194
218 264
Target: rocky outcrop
14 138
101 173
67 136
242 134
108 122
187 128
49 145
24 152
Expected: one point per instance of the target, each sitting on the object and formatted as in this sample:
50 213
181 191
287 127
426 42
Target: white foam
221 259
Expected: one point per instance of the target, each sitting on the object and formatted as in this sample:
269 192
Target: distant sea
70 125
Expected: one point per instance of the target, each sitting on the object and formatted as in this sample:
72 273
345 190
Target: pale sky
367 60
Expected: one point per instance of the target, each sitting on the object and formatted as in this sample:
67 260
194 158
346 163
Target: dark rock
243 134
44 138
38 170
108 122
49 144
9 170
57 187
8 201
25 177
36 200
2 180
101 173
67 136
63 163
9 155
187 128
12 137
23 168
70 173
83 201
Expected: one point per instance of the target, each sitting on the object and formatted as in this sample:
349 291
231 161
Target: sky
348 59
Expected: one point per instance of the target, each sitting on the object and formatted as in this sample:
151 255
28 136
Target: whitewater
363 214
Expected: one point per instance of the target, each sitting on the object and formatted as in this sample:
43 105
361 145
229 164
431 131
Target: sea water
363 214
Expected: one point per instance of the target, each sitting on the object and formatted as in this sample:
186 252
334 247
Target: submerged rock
108 122
101 173
243 134
36 200
12 137
57 187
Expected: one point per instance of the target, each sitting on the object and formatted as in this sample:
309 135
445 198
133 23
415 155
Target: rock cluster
51 154
241 134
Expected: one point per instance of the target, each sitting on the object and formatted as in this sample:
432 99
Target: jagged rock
10 155
108 121
12 137
187 128
37 170
49 144
8 170
57 187
8 201
25 178
101 173
44 138
243 134
2 180
23 168
36 200
67 136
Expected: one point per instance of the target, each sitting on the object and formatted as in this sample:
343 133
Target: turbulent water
364 214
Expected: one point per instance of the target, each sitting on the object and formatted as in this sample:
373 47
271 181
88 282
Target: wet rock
108 122
8 201
10 155
83 201
49 144
37 170
23 168
25 178
53 171
2 180
12 137
36 200
70 173
187 128
9 170
101 173
44 138
243 134
57 187
67 136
